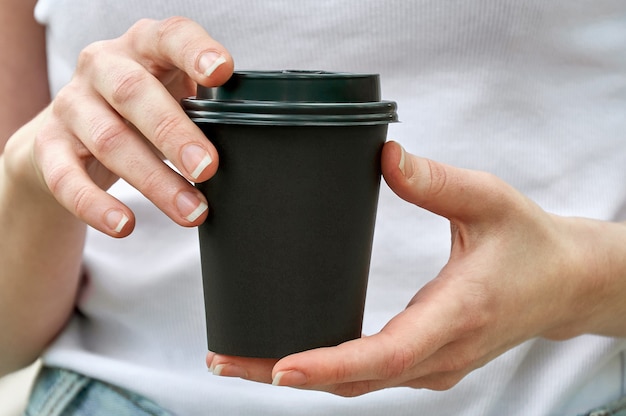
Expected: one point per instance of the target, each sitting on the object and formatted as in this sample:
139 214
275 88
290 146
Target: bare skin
54 171
515 272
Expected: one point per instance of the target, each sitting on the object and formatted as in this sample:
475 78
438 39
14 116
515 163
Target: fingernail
116 220
195 159
208 62
190 206
229 370
289 378
402 161
211 366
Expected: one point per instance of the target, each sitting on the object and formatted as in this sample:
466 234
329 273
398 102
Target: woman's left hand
515 273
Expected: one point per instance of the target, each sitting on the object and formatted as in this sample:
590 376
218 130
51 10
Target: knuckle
137 32
63 102
128 86
106 137
68 106
168 38
170 42
140 26
58 178
61 180
170 27
497 187
41 140
164 128
401 360
152 182
340 373
438 178
90 55
83 201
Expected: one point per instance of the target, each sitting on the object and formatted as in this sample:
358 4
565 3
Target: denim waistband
59 392
617 408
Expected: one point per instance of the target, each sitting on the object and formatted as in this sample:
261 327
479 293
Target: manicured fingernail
217 370
195 159
211 366
230 370
289 378
190 206
209 62
116 220
402 161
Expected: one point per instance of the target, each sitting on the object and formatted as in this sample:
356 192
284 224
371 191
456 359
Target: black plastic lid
293 98
297 86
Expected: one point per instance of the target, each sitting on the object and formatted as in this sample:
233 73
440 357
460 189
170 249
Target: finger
354 362
65 174
127 154
180 43
455 193
141 99
129 73
436 316
350 369
432 381
390 354
441 371
254 369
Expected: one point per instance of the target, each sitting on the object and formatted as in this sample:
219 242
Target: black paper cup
286 247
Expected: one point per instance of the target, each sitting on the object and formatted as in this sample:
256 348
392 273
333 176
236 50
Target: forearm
23 73
40 253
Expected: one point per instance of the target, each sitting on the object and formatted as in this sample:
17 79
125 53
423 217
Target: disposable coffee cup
286 247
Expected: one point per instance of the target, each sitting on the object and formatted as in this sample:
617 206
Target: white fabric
532 91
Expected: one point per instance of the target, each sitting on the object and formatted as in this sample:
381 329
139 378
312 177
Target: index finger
180 43
126 73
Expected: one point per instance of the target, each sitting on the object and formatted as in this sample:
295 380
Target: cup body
286 247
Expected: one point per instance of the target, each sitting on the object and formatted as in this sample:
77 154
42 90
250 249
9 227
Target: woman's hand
514 273
119 117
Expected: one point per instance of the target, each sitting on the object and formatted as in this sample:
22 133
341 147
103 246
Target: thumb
454 193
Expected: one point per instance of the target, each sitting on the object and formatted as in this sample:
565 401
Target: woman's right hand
120 116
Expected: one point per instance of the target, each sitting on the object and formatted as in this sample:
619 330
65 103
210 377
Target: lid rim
255 112
288 107
291 119
292 123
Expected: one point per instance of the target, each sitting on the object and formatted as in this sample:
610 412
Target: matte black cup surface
286 247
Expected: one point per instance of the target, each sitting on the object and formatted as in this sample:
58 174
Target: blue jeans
59 392
617 408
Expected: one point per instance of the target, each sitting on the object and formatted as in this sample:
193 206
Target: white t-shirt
532 91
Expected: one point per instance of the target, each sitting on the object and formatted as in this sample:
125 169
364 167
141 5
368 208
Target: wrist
594 279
